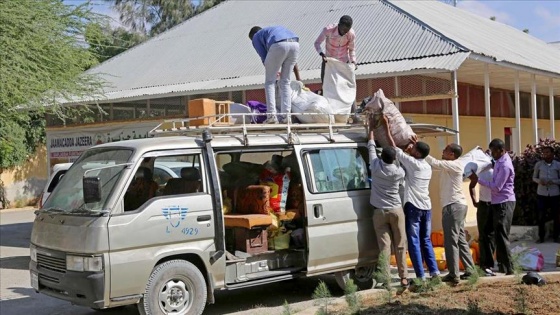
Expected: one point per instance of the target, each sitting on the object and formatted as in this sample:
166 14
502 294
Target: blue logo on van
174 215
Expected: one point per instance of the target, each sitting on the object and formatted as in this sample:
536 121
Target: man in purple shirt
278 48
502 203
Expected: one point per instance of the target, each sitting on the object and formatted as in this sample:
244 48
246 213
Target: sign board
67 144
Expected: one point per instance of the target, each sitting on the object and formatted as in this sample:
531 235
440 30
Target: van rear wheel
362 278
174 287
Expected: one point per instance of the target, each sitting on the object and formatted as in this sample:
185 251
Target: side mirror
92 189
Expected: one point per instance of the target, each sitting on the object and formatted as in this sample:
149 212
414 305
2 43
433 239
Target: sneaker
271 120
465 276
488 272
451 279
284 120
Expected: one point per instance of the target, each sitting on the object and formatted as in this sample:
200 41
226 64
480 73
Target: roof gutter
513 66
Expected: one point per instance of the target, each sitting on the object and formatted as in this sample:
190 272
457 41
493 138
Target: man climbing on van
278 48
388 215
454 212
339 43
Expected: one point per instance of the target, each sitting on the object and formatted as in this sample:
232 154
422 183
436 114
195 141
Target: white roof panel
212 51
484 36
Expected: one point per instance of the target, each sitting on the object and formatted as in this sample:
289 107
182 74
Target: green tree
43 56
152 17
42 63
106 42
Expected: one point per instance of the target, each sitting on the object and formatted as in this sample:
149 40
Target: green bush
525 188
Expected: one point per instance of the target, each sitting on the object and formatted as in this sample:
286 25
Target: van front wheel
174 287
362 278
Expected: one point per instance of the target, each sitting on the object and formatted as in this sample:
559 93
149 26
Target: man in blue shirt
278 48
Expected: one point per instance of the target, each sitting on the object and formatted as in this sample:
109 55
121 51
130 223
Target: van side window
185 175
164 176
55 180
341 169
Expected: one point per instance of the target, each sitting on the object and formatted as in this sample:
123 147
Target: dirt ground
505 296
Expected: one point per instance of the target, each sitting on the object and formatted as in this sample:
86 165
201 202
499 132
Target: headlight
81 263
33 253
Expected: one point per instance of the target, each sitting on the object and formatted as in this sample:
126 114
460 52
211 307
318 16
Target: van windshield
68 194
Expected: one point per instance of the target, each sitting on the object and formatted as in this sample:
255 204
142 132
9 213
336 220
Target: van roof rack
224 124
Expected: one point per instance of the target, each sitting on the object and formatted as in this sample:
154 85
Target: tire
362 277
176 280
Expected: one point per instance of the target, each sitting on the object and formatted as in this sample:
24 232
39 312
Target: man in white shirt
388 215
418 207
454 212
486 243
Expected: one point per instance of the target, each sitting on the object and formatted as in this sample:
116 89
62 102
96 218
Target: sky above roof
540 17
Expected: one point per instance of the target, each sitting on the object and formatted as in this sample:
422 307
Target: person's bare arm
472 191
387 129
371 124
296 72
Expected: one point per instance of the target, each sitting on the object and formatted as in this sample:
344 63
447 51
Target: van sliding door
339 221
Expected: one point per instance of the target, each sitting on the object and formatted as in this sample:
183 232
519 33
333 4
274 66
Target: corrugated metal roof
484 36
437 63
214 46
212 51
555 45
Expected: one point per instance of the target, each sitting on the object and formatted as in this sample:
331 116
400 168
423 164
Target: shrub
525 188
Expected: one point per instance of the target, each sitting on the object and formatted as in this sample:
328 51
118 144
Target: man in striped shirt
339 42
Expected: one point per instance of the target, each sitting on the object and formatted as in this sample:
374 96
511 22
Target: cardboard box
254 241
202 107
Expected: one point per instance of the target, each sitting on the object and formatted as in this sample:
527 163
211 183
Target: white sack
530 259
339 87
379 105
243 110
305 101
475 161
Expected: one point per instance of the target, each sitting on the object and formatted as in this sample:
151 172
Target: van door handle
203 218
318 211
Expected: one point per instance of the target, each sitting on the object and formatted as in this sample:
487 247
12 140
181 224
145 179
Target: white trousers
281 56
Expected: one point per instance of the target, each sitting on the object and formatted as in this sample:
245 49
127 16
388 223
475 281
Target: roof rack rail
224 124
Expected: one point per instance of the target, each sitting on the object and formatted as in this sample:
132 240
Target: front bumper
81 288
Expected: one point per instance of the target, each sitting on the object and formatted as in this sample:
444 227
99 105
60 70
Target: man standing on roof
339 43
278 48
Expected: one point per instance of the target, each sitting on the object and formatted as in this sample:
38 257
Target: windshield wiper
84 211
50 210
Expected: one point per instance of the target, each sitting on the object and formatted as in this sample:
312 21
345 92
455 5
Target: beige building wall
24 184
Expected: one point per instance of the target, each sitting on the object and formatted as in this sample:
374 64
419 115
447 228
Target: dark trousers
502 214
543 204
486 241
323 71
